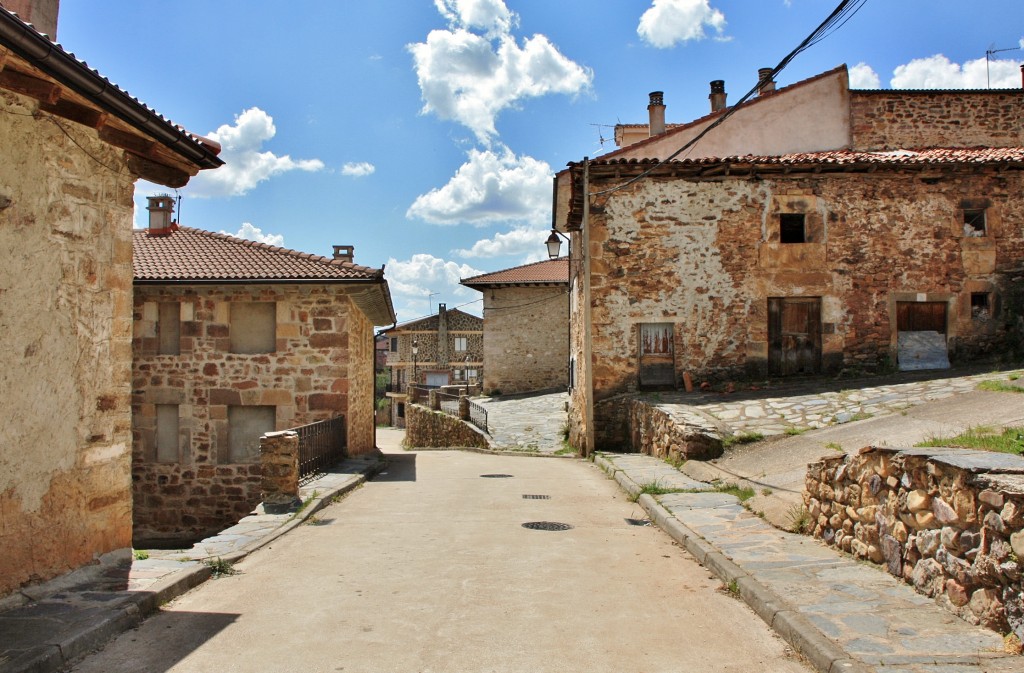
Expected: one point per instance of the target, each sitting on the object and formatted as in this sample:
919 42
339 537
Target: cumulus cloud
251 233
527 241
358 169
668 22
413 281
492 186
246 165
470 78
862 76
938 72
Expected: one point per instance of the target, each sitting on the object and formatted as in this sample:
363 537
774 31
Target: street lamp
554 243
415 351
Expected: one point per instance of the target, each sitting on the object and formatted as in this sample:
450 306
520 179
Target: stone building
72 146
438 350
526 327
232 339
817 230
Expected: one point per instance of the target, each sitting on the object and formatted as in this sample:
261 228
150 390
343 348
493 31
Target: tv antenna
600 134
988 57
430 302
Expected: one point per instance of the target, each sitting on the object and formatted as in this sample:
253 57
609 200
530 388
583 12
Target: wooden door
921 316
657 359
794 335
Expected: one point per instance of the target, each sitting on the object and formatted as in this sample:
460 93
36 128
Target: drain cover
638 522
536 497
496 476
546 525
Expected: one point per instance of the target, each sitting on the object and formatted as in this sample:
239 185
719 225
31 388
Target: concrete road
428 568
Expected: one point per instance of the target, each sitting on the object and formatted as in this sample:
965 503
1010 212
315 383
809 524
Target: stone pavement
44 627
533 424
841 614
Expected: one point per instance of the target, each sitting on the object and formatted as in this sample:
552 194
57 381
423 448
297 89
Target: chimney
656 112
42 14
717 95
765 83
345 253
161 208
1022 75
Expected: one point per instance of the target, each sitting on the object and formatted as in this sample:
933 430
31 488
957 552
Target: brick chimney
1022 75
765 83
656 113
161 210
345 253
717 95
42 14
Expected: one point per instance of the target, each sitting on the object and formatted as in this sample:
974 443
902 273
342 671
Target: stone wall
526 346
322 367
435 346
65 350
948 521
426 428
673 433
887 119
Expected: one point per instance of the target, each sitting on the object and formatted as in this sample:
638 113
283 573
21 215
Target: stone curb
55 656
492 452
824 653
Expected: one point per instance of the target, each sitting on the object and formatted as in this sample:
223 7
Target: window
791 228
168 328
394 344
458 375
974 222
980 306
461 344
401 410
245 426
167 442
253 327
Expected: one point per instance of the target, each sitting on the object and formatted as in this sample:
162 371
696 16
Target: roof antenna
430 302
988 57
179 206
600 136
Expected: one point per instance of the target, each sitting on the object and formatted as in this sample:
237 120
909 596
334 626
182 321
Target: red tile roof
189 254
555 271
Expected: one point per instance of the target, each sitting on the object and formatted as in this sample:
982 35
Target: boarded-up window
657 362
168 327
167 437
245 426
253 327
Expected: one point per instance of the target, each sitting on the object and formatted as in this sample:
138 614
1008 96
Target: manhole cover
546 525
638 522
536 497
496 476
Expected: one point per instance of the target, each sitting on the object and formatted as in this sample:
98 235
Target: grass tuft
1000 387
799 519
1009 440
140 554
742 438
220 567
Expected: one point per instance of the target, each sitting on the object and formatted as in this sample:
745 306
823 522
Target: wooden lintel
127 141
33 87
161 174
81 114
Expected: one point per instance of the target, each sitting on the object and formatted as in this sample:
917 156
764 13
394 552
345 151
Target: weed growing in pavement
732 588
835 446
794 430
1000 387
742 438
766 492
140 554
220 567
799 519
655 488
1009 440
566 449
1013 377
744 493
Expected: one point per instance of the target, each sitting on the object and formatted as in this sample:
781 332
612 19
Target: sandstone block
993 499
944 514
918 501
956 593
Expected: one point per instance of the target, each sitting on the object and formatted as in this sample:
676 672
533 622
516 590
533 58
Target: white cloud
470 79
489 187
245 164
520 241
413 281
938 72
251 233
670 21
358 169
862 76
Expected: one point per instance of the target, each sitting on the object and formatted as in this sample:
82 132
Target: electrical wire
836 20
40 115
531 303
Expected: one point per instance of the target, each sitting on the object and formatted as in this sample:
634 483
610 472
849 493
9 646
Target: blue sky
425 132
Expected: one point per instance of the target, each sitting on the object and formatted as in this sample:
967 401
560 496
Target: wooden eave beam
159 173
127 141
80 114
33 87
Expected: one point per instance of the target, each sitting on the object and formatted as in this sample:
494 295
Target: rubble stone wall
672 433
948 521
426 428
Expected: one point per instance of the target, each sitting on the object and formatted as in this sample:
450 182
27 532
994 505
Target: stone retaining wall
678 434
426 428
948 521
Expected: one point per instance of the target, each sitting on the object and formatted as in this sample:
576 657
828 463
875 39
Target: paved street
428 568
532 423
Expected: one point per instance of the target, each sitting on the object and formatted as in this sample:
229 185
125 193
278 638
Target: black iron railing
449 403
478 415
419 392
322 445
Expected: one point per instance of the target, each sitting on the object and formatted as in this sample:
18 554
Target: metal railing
322 445
478 415
449 403
419 392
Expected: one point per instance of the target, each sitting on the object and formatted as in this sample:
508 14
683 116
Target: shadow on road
401 467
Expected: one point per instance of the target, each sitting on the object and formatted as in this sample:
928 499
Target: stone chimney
442 336
765 83
161 210
1022 75
717 95
656 112
42 14
345 253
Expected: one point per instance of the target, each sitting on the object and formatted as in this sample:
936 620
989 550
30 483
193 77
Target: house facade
526 327
70 158
890 235
232 339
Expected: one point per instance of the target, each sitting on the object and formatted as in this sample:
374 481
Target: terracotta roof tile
546 272
189 254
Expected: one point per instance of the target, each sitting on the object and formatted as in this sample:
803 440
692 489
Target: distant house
526 326
438 350
72 146
817 230
235 338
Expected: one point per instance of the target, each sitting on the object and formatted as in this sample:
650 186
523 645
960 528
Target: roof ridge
514 268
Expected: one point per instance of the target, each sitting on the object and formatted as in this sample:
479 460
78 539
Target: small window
974 222
245 426
401 410
791 228
394 344
980 306
253 327
167 442
471 374
461 344
458 375
168 328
